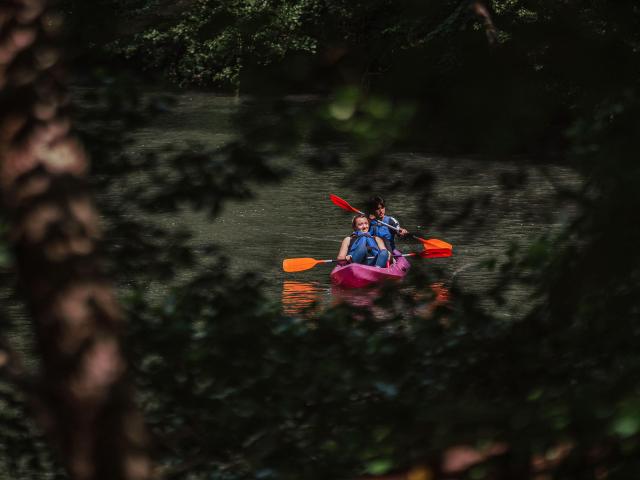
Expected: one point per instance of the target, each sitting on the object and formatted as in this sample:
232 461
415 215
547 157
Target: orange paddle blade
436 253
299 264
343 204
434 243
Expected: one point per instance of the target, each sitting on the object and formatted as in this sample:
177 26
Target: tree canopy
230 386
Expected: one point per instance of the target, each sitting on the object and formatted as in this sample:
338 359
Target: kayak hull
355 275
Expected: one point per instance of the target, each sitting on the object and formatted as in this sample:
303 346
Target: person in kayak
377 216
362 247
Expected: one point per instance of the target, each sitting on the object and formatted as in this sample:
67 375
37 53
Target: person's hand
403 232
348 258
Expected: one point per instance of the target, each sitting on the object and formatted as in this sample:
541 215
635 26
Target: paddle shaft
397 229
345 205
413 254
302 264
432 243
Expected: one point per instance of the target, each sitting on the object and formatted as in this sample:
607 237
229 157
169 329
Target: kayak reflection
425 301
308 297
360 297
354 275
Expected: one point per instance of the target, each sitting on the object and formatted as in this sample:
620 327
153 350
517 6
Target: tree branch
480 9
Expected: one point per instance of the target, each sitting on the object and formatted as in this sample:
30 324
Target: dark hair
373 202
353 222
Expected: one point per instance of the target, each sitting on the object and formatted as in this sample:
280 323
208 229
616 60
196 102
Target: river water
296 219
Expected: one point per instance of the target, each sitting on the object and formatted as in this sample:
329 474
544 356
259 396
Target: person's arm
344 248
401 231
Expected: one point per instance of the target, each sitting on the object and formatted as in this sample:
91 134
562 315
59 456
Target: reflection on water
511 217
425 301
442 293
307 297
439 297
356 297
298 297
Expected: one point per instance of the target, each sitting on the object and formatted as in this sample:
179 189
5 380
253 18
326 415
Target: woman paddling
362 247
377 215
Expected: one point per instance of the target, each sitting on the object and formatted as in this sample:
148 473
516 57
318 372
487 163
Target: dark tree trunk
85 402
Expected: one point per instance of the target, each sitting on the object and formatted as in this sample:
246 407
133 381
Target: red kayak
356 275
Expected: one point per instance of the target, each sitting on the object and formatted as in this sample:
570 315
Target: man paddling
377 214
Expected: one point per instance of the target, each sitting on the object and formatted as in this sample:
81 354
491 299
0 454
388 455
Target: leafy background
234 389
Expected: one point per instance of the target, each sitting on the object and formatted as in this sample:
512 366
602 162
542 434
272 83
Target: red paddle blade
299 264
434 243
436 253
343 204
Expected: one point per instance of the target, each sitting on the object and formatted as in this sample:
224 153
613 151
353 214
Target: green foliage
350 397
214 40
233 389
372 122
5 253
296 396
23 452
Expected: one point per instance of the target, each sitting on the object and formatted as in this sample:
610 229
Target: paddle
301 264
432 243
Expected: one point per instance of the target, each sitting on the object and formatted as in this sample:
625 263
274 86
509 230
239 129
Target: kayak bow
356 275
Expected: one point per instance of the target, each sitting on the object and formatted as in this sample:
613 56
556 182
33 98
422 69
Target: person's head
376 207
360 223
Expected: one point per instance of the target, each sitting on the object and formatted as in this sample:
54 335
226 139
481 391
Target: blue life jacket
385 233
358 238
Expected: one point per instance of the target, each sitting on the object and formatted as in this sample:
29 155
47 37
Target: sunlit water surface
296 219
